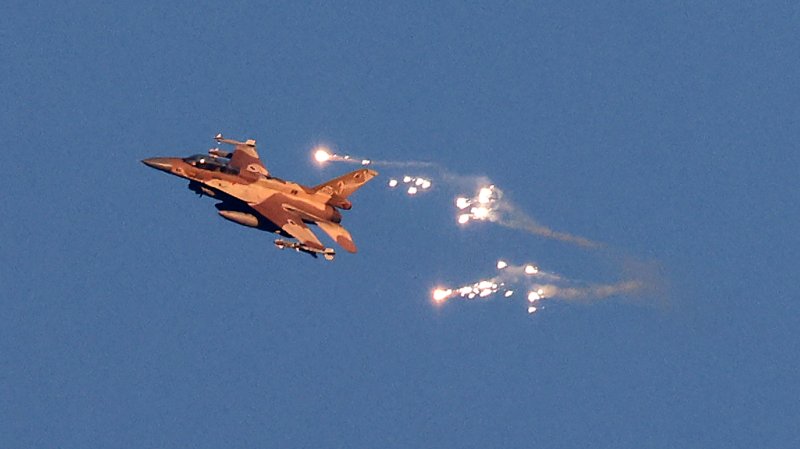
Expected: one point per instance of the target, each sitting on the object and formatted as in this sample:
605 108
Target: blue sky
133 316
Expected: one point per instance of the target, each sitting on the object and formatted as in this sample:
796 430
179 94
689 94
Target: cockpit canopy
206 162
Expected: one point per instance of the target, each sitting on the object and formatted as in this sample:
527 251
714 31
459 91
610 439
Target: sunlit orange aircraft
250 196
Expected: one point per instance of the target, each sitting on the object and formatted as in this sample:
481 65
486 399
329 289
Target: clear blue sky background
132 316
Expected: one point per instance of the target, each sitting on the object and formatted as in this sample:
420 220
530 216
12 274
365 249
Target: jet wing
244 157
339 235
272 209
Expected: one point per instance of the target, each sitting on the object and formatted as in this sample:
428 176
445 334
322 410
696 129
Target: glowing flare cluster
412 184
480 289
480 207
538 284
441 294
502 283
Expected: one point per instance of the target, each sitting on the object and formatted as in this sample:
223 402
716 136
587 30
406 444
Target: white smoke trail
493 208
539 285
489 204
589 292
401 164
510 216
323 154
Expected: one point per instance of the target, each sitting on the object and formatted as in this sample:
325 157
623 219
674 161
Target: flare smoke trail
502 211
510 216
402 164
540 286
489 204
323 154
593 291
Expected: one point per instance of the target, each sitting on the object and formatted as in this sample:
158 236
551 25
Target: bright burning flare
485 195
322 155
481 213
481 207
441 294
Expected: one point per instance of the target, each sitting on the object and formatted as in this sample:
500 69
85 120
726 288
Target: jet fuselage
249 196
237 192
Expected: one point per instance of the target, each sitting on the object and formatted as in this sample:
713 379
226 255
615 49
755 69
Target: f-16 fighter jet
250 196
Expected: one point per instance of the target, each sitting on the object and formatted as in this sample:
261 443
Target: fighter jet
249 195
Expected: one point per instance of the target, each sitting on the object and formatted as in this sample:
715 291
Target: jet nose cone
159 163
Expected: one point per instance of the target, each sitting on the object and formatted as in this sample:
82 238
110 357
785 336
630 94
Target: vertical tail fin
345 185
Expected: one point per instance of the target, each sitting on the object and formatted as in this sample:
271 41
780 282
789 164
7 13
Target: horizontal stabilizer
345 185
